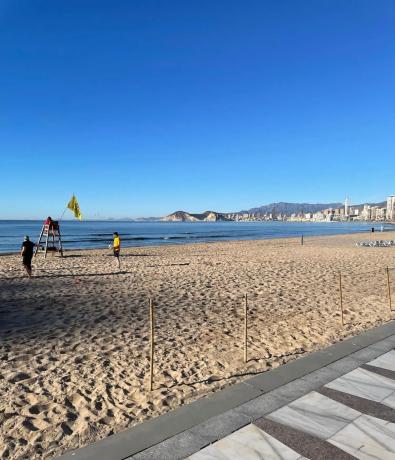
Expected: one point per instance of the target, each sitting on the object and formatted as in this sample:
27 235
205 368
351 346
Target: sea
98 234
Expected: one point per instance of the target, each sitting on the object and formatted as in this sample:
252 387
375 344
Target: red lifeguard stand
50 233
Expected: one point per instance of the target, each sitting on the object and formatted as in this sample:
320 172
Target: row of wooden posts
245 344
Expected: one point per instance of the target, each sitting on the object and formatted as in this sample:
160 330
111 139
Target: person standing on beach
117 248
27 255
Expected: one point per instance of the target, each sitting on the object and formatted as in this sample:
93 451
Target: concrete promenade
337 403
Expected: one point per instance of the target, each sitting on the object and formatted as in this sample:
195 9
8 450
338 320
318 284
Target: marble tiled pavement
350 417
337 403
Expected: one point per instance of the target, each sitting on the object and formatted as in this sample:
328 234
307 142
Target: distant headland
208 216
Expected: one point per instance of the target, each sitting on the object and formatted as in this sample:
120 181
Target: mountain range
296 208
291 208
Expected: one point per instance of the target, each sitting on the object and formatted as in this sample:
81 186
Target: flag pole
61 217
65 209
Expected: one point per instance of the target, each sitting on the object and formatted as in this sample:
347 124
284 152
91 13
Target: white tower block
346 205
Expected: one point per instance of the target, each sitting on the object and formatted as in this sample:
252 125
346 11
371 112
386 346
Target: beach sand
74 341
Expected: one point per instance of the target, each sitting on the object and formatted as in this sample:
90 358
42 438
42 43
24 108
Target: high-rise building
366 213
346 203
390 214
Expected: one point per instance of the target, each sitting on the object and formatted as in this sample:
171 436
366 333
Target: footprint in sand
98 405
37 409
105 421
35 424
71 416
66 429
80 359
29 426
19 377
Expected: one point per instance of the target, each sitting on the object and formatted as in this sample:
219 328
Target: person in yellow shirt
117 248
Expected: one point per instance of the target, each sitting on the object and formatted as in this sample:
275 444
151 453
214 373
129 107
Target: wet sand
74 340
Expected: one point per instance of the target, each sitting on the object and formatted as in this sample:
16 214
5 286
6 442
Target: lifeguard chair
50 237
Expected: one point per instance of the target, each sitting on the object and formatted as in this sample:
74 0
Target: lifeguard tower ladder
50 237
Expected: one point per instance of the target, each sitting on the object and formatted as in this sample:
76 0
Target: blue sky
144 107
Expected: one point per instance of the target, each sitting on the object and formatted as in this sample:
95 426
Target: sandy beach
74 340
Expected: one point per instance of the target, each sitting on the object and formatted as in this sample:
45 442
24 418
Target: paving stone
176 448
308 445
386 344
262 405
284 374
294 390
321 377
248 443
344 365
344 348
220 426
375 335
367 354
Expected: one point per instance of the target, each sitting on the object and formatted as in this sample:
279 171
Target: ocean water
98 234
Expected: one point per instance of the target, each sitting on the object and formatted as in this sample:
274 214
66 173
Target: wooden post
245 326
152 321
301 241
341 297
389 287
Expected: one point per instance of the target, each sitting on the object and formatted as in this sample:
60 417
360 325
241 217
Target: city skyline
383 211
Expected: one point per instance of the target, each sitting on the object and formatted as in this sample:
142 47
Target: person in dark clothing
27 255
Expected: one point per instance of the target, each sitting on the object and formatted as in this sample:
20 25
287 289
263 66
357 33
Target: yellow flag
75 207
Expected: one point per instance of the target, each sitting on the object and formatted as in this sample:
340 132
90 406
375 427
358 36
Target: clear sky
145 107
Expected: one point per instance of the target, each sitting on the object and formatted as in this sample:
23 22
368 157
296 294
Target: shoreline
269 238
